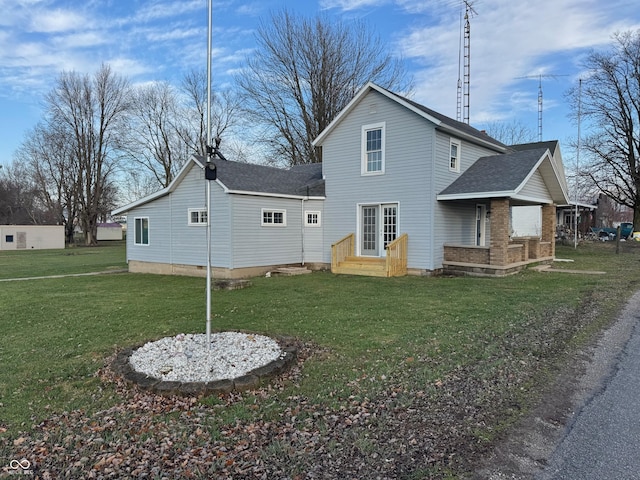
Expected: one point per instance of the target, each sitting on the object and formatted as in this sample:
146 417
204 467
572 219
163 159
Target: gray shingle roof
450 122
248 177
496 173
551 145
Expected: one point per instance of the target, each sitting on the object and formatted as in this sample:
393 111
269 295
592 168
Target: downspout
431 200
302 226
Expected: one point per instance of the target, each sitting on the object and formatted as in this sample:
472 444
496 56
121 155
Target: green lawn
375 336
36 263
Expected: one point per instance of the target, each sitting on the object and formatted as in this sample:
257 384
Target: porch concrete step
289 271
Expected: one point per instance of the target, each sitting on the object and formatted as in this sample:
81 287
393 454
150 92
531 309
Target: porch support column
549 226
498 251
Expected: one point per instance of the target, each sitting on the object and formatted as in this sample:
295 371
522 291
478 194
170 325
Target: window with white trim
141 231
454 155
311 218
373 140
274 217
197 216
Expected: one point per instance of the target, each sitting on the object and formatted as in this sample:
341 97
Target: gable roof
506 175
248 179
236 177
441 121
551 145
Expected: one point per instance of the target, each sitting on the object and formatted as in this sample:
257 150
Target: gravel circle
187 358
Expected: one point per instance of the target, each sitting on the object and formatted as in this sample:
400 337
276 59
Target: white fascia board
536 200
142 201
546 157
160 193
273 195
354 101
358 97
475 195
531 172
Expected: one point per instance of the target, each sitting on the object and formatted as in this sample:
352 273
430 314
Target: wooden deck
394 264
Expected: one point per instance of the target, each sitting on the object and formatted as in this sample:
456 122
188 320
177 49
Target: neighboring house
31 237
401 189
109 231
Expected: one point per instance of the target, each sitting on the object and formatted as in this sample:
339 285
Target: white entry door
378 228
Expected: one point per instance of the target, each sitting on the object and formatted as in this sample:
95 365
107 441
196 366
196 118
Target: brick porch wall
466 254
549 228
499 254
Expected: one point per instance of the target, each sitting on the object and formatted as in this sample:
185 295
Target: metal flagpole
207 169
575 233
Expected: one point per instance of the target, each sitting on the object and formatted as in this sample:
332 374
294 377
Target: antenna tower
459 86
468 13
540 77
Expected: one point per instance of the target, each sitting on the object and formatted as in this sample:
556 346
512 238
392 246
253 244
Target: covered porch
505 254
528 177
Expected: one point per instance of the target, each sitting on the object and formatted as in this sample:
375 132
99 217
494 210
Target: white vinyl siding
535 189
408 154
373 145
255 244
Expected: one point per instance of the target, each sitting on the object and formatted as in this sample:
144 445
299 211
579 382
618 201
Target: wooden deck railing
342 249
397 256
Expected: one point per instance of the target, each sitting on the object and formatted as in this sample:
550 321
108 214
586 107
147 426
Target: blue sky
149 40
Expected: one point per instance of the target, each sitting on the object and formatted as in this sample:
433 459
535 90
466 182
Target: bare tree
225 112
510 133
304 71
19 200
609 100
54 173
152 139
90 113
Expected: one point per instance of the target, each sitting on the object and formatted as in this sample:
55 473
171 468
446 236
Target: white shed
109 231
28 237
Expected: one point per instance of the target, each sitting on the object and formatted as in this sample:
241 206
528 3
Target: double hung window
373 146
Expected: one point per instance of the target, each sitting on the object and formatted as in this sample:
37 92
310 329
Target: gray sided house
401 190
262 218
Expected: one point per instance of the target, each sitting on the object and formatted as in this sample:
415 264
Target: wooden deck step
368 266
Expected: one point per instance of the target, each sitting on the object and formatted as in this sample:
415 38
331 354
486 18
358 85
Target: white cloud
57 20
508 40
349 5
160 9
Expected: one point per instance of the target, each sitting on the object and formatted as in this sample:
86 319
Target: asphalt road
602 440
587 426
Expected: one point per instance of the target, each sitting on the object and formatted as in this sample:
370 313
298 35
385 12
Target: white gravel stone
187 358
